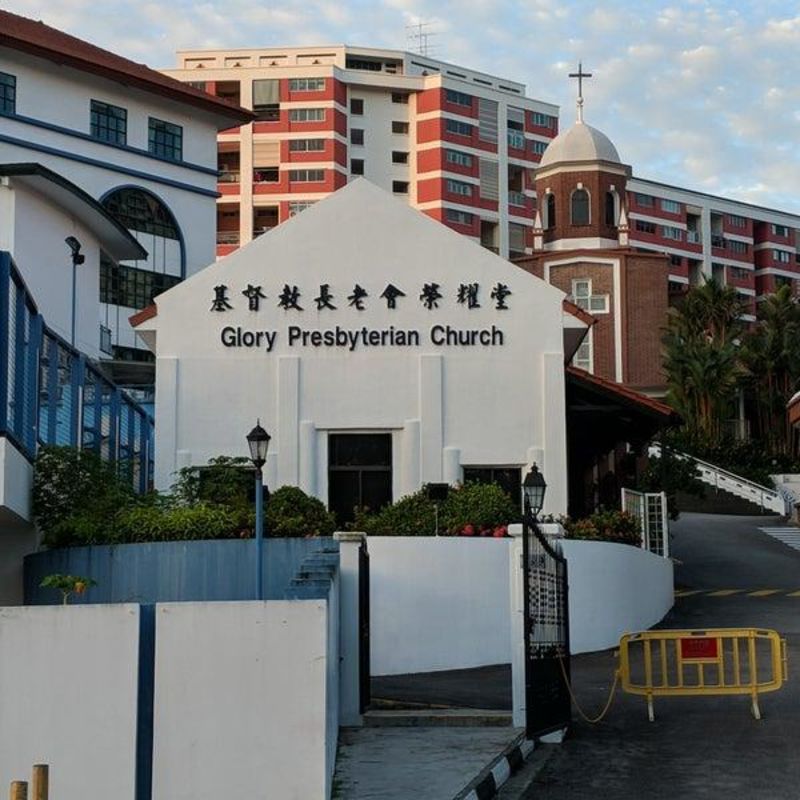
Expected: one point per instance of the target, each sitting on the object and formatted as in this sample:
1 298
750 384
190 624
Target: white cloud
700 93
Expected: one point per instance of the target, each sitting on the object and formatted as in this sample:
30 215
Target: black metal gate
547 699
363 627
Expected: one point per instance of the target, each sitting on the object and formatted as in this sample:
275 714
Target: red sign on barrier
696 648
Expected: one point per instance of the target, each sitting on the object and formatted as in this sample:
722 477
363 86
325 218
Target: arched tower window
551 211
611 209
580 207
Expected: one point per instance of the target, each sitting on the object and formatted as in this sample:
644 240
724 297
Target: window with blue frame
164 139
109 123
8 93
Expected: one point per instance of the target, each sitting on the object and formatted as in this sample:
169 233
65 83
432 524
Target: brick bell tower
580 187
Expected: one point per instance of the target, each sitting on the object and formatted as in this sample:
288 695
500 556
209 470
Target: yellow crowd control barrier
720 661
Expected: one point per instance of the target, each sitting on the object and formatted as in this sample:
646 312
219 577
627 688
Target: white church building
379 349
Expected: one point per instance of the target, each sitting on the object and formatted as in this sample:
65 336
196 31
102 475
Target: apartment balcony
517 199
228 237
718 240
694 237
228 176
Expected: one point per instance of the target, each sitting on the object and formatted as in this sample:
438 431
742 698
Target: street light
258 442
77 259
534 487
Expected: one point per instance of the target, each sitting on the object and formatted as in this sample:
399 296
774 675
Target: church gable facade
380 350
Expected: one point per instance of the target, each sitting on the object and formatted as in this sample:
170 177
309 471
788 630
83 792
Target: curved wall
444 603
614 589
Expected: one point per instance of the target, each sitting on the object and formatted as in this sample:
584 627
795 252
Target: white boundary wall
438 603
443 603
614 589
241 705
68 690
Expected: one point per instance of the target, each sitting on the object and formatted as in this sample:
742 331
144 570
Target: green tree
702 360
771 354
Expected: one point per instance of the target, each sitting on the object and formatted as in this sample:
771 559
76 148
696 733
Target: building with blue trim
54 390
141 144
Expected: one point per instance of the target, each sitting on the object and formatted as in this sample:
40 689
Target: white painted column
288 420
245 168
349 663
517 611
308 457
410 478
431 417
502 178
705 227
451 462
167 415
554 412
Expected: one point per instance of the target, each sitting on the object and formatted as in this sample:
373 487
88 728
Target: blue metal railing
52 394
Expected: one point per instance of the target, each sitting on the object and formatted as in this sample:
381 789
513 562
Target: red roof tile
577 311
148 312
38 39
623 392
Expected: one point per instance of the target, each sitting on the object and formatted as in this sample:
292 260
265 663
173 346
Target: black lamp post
258 442
77 259
533 487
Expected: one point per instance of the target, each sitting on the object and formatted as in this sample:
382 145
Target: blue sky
698 93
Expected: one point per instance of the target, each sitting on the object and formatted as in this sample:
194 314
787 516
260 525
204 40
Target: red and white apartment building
460 145
748 247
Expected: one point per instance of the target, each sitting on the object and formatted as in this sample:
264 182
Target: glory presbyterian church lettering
351 339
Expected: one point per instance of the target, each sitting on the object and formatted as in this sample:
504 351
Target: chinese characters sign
430 296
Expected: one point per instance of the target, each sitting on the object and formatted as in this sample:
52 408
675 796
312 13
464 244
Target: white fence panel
650 508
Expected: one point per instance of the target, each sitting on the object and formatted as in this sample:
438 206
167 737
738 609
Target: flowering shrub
471 510
606 526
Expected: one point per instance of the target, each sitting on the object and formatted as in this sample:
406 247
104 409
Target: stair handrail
655 449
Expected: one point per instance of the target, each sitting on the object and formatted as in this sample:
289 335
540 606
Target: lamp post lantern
534 486
258 442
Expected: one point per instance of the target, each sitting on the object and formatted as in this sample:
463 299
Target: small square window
356 166
356 106
397 97
8 93
581 288
356 136
165 139
399 127
399 158
400 187
108 123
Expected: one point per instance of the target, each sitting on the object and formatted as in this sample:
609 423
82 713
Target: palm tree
701 358
771 353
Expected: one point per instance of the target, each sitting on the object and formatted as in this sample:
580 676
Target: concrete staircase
732 494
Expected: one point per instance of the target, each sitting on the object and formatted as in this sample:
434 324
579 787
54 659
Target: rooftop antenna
580 75
418 35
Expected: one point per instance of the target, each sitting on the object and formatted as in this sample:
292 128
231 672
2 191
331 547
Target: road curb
488 781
